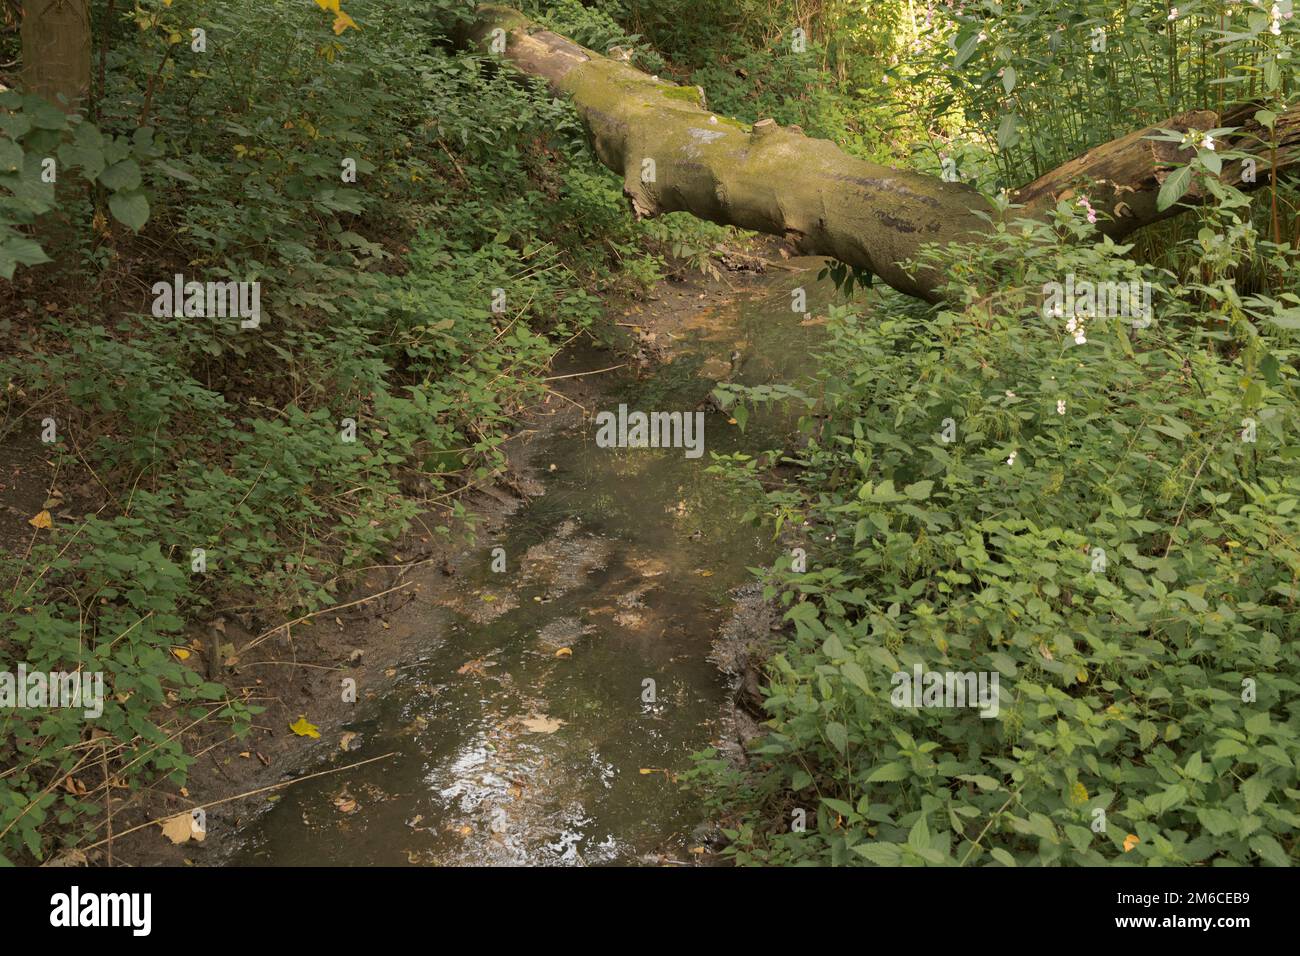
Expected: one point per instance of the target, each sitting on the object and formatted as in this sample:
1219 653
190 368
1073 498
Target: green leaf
1174 187
882 854
11 156
19 251
853 673
1254 790
919 491
919 837
130 208
837 735
1269 850
122 176
887 773
1008 135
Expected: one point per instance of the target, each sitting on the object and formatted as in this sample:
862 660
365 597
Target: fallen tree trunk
675 155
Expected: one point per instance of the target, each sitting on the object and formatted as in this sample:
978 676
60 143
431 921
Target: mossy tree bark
674 154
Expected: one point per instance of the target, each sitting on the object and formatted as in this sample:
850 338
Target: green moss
687 94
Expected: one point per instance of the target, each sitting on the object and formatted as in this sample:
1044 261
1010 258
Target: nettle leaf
889 773
882 854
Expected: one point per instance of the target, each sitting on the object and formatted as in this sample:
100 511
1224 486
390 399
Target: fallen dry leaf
564 652
345 804
345 741
41 520
181 829
542 724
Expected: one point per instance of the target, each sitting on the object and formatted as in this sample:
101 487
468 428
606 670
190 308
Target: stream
528 731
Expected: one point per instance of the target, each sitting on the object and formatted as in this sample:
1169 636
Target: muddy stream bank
563 675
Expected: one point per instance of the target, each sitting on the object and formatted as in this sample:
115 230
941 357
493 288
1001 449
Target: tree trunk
56 50
674 154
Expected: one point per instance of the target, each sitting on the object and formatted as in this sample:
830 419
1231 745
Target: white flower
1071 325
1208 142
1011 394
1173 13
1080 338
1012 460
1060 406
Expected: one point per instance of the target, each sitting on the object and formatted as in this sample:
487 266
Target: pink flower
1092 213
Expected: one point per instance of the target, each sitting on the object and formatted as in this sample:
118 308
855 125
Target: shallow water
512 750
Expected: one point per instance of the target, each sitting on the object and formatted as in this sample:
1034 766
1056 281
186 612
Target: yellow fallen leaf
181 828
303 728
564 652
331 5
41 520
1130 842
345 742
342 22
181 653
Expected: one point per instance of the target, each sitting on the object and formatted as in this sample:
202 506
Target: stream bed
553 701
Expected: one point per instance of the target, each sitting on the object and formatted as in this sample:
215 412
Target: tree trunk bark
674 154
56 50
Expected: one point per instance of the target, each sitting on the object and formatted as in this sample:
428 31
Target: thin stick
250 793
552 378
333 607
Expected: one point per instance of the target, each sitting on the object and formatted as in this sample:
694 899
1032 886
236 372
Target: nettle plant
44 154
1111 526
